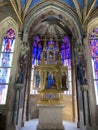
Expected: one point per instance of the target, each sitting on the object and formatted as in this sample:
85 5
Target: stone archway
42 13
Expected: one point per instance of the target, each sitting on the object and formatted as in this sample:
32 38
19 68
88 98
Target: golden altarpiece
50 80
53 75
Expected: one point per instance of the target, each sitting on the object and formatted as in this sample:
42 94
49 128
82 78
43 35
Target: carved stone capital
18 86
20 34
25 37
84 35
84 87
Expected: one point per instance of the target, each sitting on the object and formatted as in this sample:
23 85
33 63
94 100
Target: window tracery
94 59
6 56
49 52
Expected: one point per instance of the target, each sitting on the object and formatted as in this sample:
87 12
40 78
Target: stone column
27 42
76 51
91 92
87 108
74 95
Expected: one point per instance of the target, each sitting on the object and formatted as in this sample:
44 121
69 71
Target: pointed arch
50 8
7 23
8 32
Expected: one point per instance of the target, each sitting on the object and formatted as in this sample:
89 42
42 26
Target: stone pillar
90 93
74 95
27 49
76 51
87 108
90 80
18 108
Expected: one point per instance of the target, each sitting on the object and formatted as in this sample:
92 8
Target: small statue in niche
51 57
37 80
81 72
64 86
22 66
20 77
50 81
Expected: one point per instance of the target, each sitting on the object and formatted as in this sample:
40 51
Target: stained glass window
94 59
6 55
36 50
66 59
51 52
65 51
36 57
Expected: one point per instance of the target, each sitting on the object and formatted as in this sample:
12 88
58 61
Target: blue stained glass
36 49
8 44
51 45
94 47
4 75
3 93
5 62
65 50
6 59
94 59
39 51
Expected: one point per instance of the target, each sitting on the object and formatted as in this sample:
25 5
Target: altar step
32 125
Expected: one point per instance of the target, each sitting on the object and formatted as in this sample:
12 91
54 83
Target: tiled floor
32 124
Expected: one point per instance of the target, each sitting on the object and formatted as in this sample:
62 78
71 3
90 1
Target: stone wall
7 11
97 115
67 110
33 111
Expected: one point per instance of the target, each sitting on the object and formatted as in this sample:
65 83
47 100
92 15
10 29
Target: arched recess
54 9
8 33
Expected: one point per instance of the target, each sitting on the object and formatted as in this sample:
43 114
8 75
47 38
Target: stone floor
32 124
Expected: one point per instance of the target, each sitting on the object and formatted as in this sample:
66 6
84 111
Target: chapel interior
48 63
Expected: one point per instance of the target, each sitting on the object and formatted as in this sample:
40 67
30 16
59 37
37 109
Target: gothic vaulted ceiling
82 8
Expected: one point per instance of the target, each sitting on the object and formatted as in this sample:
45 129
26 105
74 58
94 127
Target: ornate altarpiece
50 80
53 75
53 93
